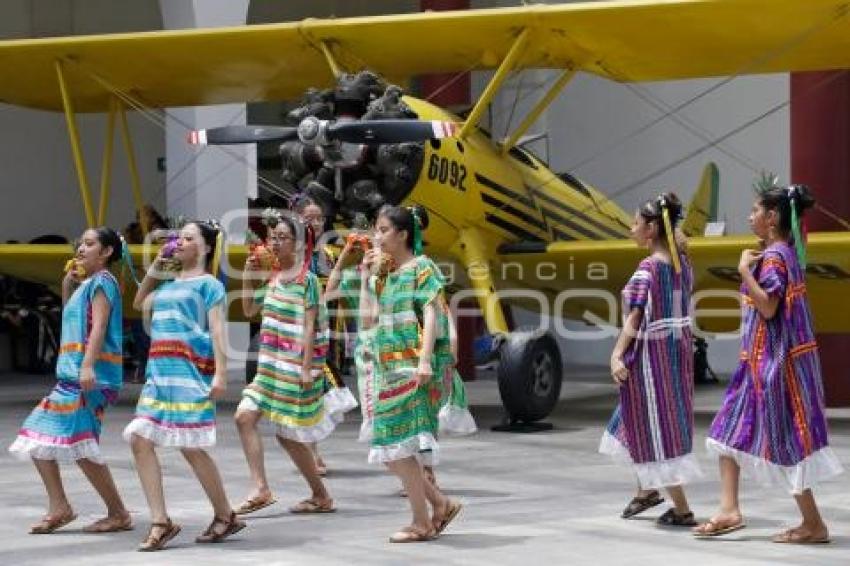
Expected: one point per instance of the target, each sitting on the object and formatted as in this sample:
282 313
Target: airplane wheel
529 375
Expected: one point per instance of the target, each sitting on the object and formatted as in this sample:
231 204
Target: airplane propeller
313 131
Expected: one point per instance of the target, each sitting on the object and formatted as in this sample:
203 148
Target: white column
212 182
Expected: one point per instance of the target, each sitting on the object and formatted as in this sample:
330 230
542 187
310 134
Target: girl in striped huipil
412 350
66 425
771 423
289 388
186 373
652 362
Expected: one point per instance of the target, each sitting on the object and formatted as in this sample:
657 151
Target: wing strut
538 109
494 84
74 135
332 62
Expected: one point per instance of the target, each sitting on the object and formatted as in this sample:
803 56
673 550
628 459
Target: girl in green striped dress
410 356
289 387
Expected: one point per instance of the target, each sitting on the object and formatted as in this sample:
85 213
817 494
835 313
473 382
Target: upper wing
588 277
621 40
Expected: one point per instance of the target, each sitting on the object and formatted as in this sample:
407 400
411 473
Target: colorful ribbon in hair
417 232
128 260
308 253
671 237
799 244
218 253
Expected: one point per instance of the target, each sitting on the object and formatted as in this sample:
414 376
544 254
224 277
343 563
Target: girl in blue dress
66 425
186 373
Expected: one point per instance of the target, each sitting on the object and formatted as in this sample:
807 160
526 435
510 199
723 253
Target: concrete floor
544 498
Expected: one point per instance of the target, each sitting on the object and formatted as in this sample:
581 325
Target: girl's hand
87 378
307 378
372 261
423 374
619 371
219 386
748 258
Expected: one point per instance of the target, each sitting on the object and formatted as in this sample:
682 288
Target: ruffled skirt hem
456 421
25 448
304 434
815 468
423 447
199 437
653 475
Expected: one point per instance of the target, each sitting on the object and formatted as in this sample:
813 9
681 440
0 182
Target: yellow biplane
496 209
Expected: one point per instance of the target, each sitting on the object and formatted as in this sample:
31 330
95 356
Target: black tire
530 374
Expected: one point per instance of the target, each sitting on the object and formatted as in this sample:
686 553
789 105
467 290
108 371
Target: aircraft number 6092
447 171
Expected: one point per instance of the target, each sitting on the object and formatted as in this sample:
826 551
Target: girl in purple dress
652 427
772 421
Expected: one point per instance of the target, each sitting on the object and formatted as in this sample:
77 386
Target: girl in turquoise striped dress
186 373
66 425
289 388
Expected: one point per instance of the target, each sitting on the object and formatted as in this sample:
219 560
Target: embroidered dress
338 397
66 425
364 348
772 419
652 427
297 412
406 419
174 407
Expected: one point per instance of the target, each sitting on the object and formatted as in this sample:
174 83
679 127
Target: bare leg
207 473
321 467
101 479
57 500
304 459
730 507
813 526
410 473
150 474
252 445
680 501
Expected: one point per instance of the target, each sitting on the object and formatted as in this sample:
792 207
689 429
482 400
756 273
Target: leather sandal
214 534
156 542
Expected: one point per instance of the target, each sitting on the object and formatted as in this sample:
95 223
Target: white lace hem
456 421
339 401
28 448
423 447
314 433
815 468
653 475
176 437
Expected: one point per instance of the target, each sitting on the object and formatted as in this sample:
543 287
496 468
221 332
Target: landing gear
529 375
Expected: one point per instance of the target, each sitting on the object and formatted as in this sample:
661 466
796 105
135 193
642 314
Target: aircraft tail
703 206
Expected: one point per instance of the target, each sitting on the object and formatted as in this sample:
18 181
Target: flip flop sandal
49 524
411 535
454 509
231 526
672 519
791 537
309 506
716 529
640 504
108 525
153 543
254 504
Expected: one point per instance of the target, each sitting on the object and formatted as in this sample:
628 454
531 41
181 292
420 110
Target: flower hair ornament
668 229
